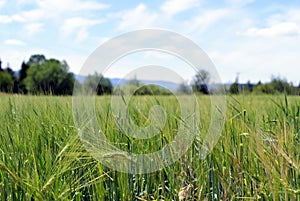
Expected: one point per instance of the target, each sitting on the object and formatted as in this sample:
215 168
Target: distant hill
169 85
118 81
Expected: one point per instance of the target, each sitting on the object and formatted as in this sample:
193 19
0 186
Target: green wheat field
256 158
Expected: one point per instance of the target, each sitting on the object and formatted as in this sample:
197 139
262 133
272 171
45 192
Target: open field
257 156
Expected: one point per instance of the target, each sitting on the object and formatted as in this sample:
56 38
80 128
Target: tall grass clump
256 158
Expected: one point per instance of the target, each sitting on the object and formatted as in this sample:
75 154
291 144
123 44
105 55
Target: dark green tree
48 77
36 59
258 88
201 80
234 88
248 87
22 76
14 77
276 86
99 84
6 82
281 85
8 79
151 89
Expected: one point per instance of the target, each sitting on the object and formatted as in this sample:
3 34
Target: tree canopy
6 82
276 86
49 76
201 80
98 83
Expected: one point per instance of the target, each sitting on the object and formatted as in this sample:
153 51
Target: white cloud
81 35
2 3
280 24
34 15
56 9
90 6
290 15
270 52
79 26
258 58
33 28
206 19
293 14
173 7
102 40
70 5
15 56
280 29
139 17
4 19
75 61
25 2
14 42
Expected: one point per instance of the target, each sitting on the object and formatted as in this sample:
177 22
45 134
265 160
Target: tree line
277 85
40 75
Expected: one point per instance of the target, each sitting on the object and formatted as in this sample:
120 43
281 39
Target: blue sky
256 39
